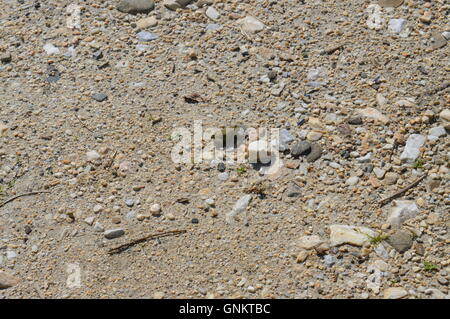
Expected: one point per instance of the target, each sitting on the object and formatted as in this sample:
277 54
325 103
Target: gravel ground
360 91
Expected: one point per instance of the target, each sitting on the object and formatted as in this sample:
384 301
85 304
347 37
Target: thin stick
22 195
82 123
124 247
388 199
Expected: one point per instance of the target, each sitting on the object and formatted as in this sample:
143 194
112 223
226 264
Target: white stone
240 206
402 211
99 227
354 235
412 148
379 173
309 242
212 13
374 20
97 208
374 114
397 25
92 156
250 24
352 181
445 115
50 49
437 131
155 209
89 220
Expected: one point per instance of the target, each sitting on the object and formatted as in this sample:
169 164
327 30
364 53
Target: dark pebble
221 167
98 55
300 149
357 120
194 221
27 229
99 97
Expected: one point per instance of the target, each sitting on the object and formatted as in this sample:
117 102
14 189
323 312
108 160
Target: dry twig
404 190
22 195
123 247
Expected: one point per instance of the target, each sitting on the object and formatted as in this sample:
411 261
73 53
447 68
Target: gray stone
146 36
300 149
356 120
329 260
99 227
99 97
223 176
5 57
292 192
401 240
213 27
114 233
176 4
316 153
136 6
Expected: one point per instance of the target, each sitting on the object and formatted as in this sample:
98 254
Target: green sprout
241 170
376 240
429 266
418 163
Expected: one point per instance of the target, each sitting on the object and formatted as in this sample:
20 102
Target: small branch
82 123
124 247
22 195
388 199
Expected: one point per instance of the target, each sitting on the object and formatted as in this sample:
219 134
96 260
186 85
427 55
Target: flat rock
374 114
136 6
7 280
438 41
412 148
390 3
99 97
395 293
397 25
146 23
176 4
309 242
146 36
354 235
